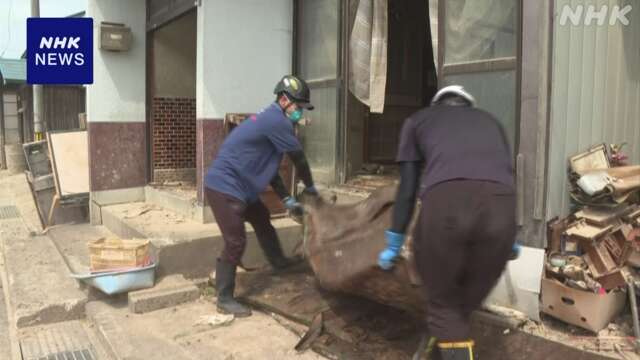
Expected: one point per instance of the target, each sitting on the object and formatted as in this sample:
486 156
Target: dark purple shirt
456 142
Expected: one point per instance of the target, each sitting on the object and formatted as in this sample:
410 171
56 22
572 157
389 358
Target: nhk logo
588 15
59 50
53 58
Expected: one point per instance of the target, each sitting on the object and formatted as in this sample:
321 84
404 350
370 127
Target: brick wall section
174 133
174 175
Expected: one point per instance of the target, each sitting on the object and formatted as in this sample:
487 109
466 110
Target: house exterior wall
116 112
243 48
595 92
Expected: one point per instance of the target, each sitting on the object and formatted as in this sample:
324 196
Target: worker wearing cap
247 162
466 228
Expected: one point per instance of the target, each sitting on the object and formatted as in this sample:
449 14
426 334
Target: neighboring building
13 74
156 111
61 103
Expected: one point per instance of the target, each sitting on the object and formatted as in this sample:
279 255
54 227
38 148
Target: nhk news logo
60 51
590 15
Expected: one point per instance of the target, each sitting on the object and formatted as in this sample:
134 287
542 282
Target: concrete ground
47 313
194 331
102 325
5 342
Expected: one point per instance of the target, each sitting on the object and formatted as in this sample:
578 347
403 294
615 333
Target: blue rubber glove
515 251
391 252
293 206
311 190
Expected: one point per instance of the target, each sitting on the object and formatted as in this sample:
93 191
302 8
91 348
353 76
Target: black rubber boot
225 285
273 252
456 350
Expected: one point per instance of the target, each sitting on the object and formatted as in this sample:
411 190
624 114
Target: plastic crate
118 254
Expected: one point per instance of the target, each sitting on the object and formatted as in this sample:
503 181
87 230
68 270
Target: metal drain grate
61 341
9 212
84 354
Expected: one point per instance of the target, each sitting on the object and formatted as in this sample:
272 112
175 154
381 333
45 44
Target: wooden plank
69 153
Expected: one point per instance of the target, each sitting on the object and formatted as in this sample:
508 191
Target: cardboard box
587 310
599 260
613 280
602 218
585 231
619 245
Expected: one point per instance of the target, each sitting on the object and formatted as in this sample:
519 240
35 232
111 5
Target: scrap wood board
357 328
70 159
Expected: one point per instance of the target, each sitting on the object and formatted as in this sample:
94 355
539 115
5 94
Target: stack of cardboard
592 180
592 253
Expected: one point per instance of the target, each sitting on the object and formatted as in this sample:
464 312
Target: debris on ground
593 255
184 189
147 214
215 320
141 211
517 317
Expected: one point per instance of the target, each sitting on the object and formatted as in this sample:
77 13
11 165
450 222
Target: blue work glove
391 252
515 251
311 190
293 206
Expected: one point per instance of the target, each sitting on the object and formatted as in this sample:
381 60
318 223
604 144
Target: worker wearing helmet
466 228
247 162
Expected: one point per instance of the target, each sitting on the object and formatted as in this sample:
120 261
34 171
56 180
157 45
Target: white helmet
454 90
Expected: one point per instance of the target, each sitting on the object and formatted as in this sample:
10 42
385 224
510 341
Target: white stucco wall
118 90
244 47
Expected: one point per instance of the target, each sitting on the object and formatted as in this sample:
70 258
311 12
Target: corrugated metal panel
13 71
596 91
433 22
62 104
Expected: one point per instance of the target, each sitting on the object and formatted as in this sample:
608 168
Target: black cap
296 89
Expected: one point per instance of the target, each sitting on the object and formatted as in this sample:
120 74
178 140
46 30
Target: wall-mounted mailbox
115 37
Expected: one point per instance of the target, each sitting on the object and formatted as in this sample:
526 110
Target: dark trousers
230 214
462 243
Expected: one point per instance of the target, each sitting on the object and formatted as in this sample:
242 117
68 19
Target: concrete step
169 291
40 288
185 246
184 204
